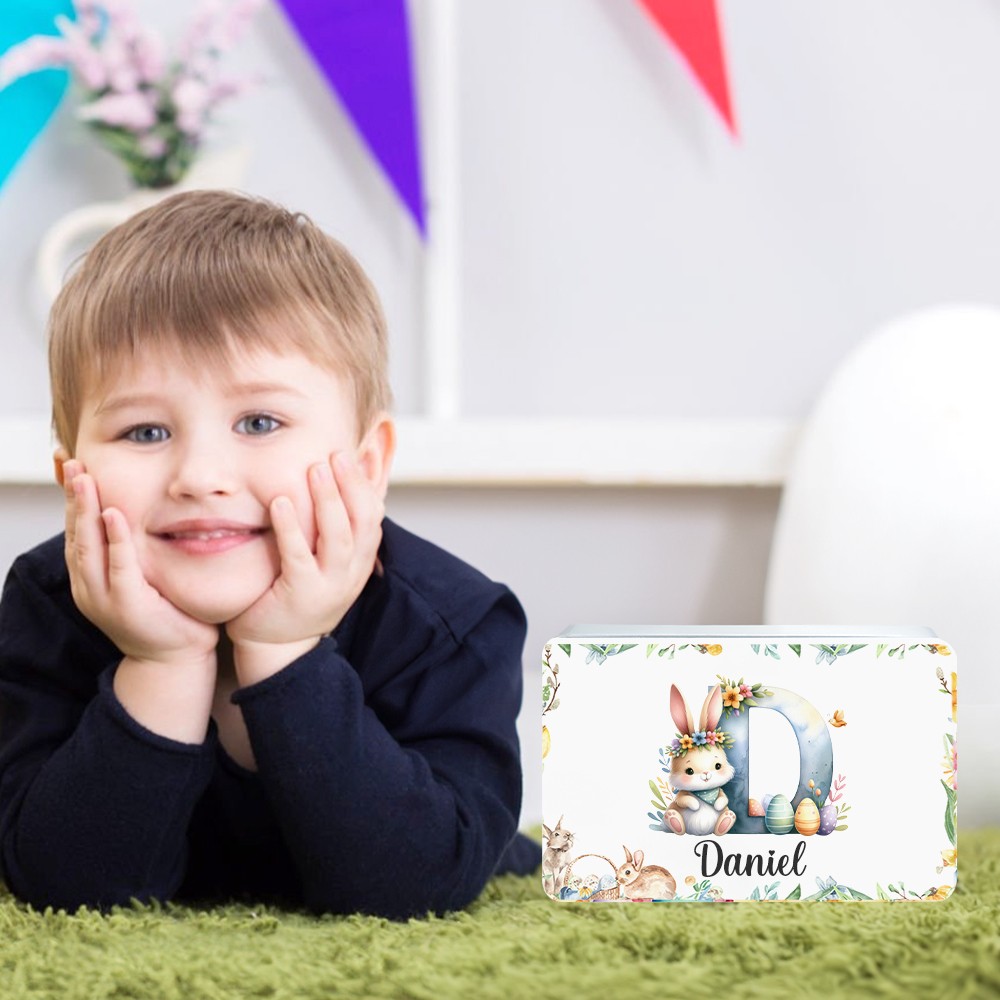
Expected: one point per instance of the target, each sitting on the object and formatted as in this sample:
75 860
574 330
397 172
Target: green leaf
796 893
858 895
843 826
628 645
817 895
796 649
659 803
882 894
879 650
755 646
566 648
949 822
854 649
649 649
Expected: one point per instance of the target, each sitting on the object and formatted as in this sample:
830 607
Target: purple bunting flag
362 47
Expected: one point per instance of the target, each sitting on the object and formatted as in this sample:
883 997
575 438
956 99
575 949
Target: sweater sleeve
94 808
409 808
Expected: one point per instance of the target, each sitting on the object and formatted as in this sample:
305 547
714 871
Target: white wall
620 255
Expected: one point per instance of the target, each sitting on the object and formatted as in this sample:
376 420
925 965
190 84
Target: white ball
891 509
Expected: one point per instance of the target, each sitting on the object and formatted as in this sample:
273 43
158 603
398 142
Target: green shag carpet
514 942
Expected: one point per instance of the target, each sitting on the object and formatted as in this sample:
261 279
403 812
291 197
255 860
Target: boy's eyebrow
123 402
111 403
261 388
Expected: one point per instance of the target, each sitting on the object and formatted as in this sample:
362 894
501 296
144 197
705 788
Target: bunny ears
711 711
688 737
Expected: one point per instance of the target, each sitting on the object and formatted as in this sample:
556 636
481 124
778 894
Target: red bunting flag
693 27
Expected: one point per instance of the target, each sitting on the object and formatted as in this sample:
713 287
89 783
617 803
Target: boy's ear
376 451
59 458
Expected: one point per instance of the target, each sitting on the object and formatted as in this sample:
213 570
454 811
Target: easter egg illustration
755 808
827 819
779 817
546 742
807 819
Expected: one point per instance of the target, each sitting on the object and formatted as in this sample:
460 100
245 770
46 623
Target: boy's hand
313 590
109 588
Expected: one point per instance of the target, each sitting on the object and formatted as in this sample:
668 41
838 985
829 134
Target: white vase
220 169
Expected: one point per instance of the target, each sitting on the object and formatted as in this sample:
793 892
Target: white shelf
542 452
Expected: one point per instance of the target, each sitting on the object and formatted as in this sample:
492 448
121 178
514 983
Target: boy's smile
193 460
205 537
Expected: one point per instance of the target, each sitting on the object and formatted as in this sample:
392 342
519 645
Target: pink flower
746 690
132 111
89 16
233 24
232 86
153 146
191 99
148 57
118 65
85 59
30 56
200 31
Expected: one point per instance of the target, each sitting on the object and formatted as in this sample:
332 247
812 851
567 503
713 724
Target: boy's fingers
123 563
88 539
292 545
364 506
333 525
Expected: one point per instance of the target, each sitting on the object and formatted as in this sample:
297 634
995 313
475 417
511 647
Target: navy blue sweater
388 781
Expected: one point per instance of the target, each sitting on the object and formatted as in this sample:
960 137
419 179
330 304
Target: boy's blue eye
257 423
146 434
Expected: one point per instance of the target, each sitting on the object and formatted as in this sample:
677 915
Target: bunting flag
27 104
693 27
362 47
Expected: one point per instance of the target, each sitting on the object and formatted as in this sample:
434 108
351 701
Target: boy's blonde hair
206 273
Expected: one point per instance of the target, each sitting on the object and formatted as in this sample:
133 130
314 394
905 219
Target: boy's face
193 461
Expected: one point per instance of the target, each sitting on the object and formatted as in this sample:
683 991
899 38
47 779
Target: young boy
231 676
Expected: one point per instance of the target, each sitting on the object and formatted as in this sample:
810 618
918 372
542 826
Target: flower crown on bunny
685 741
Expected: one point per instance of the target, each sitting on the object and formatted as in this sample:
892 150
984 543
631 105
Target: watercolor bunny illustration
698 769
557 845
639 881
636 880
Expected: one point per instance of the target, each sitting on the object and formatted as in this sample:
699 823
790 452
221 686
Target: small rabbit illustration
557 846
639 881
699 770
